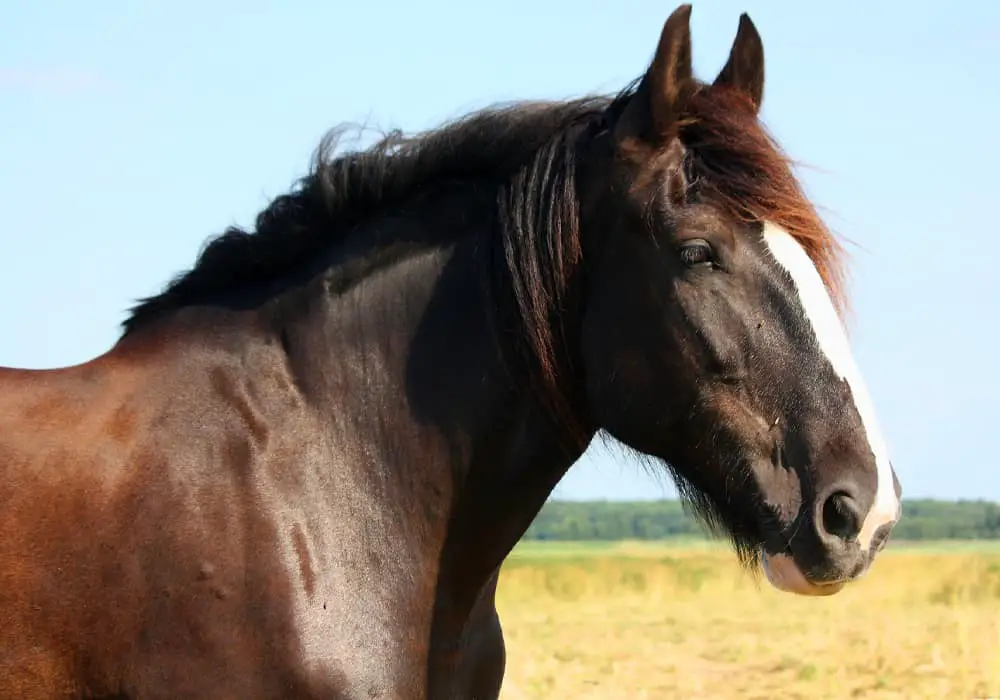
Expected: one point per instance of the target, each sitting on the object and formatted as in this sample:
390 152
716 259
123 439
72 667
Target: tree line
923 519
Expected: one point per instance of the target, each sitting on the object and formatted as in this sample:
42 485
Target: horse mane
528 150
342 190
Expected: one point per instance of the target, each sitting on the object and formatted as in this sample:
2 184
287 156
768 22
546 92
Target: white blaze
819 310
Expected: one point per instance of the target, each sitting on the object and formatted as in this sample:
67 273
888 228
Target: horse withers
299 470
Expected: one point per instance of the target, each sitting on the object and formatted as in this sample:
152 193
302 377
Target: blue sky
131 132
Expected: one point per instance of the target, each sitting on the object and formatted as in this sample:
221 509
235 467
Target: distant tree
654 520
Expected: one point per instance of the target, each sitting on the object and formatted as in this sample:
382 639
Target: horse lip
784 574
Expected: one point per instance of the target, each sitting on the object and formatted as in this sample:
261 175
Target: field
631 620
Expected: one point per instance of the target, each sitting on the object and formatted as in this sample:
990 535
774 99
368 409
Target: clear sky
130 132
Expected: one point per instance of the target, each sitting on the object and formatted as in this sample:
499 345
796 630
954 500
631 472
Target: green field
681 620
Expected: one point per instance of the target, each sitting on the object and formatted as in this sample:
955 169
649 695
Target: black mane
341 191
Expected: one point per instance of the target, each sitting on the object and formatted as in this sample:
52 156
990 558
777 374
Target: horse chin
784 574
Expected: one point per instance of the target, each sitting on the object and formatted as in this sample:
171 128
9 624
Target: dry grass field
683 621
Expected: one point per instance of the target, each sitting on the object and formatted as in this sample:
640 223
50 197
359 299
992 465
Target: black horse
300 469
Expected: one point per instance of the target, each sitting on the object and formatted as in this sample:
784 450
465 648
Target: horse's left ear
653 111
744 71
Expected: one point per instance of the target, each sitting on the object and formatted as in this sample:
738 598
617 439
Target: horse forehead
814 297
789 253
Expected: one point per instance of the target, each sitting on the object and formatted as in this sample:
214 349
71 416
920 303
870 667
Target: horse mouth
784 574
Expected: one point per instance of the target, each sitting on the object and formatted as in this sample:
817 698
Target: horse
298 470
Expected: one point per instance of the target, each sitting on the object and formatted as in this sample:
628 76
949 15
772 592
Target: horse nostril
841 516
880 537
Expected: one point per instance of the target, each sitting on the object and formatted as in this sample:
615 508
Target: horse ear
659 100
744 71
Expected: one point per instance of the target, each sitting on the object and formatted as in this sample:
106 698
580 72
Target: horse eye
696 252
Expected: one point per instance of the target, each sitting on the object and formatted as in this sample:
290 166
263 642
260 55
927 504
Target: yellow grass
637 622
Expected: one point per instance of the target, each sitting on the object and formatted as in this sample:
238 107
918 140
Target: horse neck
419 361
